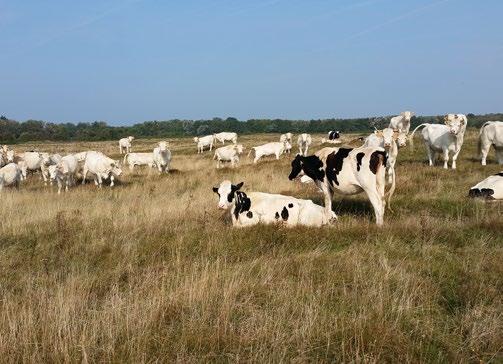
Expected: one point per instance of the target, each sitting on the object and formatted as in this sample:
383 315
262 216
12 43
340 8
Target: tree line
12 131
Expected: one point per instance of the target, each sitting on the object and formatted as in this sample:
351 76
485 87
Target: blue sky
135 60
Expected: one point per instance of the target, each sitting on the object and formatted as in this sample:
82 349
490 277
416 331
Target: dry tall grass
150 271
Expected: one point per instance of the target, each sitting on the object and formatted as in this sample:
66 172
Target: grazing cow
139 159
402 121
273 148
102 167
205 141
162 157
222 137
10 175
247 209
64 172
33 161
491 133
347 172
229 153
48 160
444 139
304 141
490 189
125 144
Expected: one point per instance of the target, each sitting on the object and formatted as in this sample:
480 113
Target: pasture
152 271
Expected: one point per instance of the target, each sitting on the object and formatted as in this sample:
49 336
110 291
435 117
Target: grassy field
152 271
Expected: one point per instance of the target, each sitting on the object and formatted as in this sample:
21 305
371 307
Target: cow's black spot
242 204
333 135
284 214
276 215
474 192
499 174
359 158
290 205
486 193
249 214
311 165
335 161
377 158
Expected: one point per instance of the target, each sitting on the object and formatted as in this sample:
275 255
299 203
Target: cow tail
411 136
125 158
390 192
252 150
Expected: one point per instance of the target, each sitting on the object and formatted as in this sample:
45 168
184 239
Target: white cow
445 139
205 141
490 189
274 148
125 144
491 133
229 153
81 156
48 160
402 121
102 167
33 162
10 175
64 172
304 141
24 169
347 172
287 137
222 137
247 209
139 159
162 157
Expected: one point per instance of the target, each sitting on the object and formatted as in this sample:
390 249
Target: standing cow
162 157
64 172
226 136
102 167
10 175
229 153
491 133
125 144
304 141
203 142
274 148
402 121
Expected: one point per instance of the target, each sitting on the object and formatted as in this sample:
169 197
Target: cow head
238 148
400 137
312 166
287 145
226 192
163 146
54 170
388 136
115 168
407 115
130 138
9 155
455 123
196 139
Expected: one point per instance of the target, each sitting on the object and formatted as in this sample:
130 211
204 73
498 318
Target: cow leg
378 204
84 174
445 154
431 155
305 152
484 151
112 179
454 158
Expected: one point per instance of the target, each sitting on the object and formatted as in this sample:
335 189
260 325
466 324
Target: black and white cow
490 189
254 208
334 134
347 172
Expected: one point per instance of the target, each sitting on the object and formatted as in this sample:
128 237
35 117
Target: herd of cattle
368 168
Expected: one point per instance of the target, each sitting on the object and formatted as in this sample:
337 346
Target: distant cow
304 141
125 144
203 142
287 137
446 139
10 175
64 172
139 159
48 160
229 153
226 136
247 209
162 157
33 161
273 148
347 172
333 134
402 121
102 167
491 133
490 189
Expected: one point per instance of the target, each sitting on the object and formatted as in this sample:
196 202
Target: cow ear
238 186
215 189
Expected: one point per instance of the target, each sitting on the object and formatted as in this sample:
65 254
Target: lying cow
125 144
229 153
102 167
273 148
162 157
226 136
402 121
304 141
347 172
491 133
247 209
203 142
64 172
446 139
139 159
490 189
10 175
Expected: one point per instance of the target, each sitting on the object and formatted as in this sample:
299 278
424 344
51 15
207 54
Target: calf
64 172
224 136
10 175
347 172
162 157
247 209
446 139
304 141
102 167
490 189
229 153
491 133
125 144
202 142
402 121
139 159
274 148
